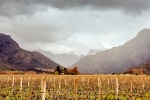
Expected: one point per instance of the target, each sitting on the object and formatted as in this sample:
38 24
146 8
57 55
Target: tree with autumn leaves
73 71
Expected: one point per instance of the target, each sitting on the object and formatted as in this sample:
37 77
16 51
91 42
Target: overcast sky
64 26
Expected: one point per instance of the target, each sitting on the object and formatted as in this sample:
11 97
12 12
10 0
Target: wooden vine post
59 84
20 83
43 88
13 79
75 89
8 80
83 80
99 88
117 88
131 85
21 86
54 82
108 82
28 81
143 85
88 81
65 82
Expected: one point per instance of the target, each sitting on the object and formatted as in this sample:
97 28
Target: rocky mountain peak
143 34
7 44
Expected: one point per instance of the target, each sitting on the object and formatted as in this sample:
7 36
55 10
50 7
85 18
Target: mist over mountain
67 59
118 59
11 53
64 59
93 52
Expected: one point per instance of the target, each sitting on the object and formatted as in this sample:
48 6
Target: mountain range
12 54
67 59
118 59
134 55
64 59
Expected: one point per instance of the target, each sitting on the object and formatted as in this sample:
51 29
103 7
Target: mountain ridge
10 52
118 59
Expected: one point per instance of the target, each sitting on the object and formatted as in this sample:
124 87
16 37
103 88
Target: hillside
118 59
11 53
6 66
143 68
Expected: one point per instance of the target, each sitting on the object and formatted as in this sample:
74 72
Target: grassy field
74 87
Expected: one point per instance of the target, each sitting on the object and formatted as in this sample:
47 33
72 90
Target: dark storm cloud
28 30
11 8
127 5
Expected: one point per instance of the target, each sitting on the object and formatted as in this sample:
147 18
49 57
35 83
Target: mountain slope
65 60
10 52
6 66
143 68
118 59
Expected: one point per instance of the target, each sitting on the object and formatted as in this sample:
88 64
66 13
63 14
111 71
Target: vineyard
80 87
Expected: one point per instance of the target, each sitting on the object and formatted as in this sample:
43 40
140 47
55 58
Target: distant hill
65 59
11 53
118 59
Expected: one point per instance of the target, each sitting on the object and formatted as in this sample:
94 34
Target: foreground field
81 87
